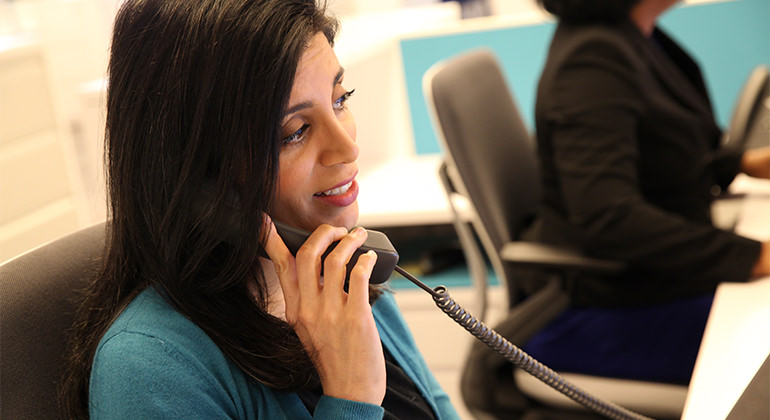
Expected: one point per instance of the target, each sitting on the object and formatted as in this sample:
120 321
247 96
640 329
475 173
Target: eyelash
296 136
341 103
299 135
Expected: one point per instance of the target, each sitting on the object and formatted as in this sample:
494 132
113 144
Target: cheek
292 177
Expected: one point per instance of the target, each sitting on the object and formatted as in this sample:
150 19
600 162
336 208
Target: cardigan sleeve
144 377
155 364
330 408
593 117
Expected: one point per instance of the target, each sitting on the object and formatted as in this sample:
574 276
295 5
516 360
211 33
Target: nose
340 146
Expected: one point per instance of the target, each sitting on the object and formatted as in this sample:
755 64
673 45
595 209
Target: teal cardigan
153 363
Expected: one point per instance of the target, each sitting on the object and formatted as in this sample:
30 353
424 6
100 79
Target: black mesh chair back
39 293
488 146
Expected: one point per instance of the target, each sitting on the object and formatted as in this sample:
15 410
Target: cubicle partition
728 39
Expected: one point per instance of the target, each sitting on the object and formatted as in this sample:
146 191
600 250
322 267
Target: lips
337 190
341 195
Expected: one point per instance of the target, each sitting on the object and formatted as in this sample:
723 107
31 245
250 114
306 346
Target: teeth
338 190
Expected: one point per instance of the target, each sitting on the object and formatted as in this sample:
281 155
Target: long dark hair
196 93
588 11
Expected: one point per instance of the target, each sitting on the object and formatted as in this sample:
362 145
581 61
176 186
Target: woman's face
318 153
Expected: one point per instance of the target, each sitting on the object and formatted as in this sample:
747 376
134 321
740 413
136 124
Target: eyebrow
304 105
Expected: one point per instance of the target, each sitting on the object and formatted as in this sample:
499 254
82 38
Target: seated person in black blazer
630 157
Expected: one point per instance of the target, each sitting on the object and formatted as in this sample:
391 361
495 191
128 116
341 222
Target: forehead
317 64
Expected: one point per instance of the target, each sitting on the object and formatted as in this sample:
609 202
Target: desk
404 192
737 336
736 342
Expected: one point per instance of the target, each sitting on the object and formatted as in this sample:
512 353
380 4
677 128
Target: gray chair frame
751 107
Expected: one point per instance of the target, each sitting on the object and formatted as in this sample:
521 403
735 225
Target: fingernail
358 231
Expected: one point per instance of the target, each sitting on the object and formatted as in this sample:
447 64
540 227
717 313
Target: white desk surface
403 192
736 342
737 337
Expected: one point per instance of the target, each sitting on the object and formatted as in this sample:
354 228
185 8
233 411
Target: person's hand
336 328
756 162
762 266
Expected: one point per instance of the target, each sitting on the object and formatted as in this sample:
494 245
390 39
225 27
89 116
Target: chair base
658 400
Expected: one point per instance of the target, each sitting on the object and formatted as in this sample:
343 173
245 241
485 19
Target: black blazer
630 163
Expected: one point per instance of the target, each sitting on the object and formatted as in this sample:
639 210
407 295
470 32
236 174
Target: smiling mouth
336 191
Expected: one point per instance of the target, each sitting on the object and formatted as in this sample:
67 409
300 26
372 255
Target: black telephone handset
294 237
387 257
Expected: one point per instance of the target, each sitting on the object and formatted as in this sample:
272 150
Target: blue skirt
657 343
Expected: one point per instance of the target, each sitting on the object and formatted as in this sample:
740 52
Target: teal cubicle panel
521 51
728 39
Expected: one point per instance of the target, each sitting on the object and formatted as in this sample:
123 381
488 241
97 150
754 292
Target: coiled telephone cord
518 357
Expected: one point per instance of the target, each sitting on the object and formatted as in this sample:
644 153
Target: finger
277 251
308 258
358 288
283 261
335 265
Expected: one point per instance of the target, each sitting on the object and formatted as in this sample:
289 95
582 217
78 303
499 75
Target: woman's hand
756 162
336 328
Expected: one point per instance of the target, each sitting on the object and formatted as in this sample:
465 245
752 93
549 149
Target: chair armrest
533 254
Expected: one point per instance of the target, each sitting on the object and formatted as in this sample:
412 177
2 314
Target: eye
296 136
340 103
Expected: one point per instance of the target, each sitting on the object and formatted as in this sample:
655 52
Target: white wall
35 178
66 44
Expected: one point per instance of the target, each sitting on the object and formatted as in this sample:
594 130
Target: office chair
749 128
750 120
39 293
490 160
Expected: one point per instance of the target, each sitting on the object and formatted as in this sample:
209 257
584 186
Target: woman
630 157
187 320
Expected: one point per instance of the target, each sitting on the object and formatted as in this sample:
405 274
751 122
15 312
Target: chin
348 223
352 219
309 220
348 218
